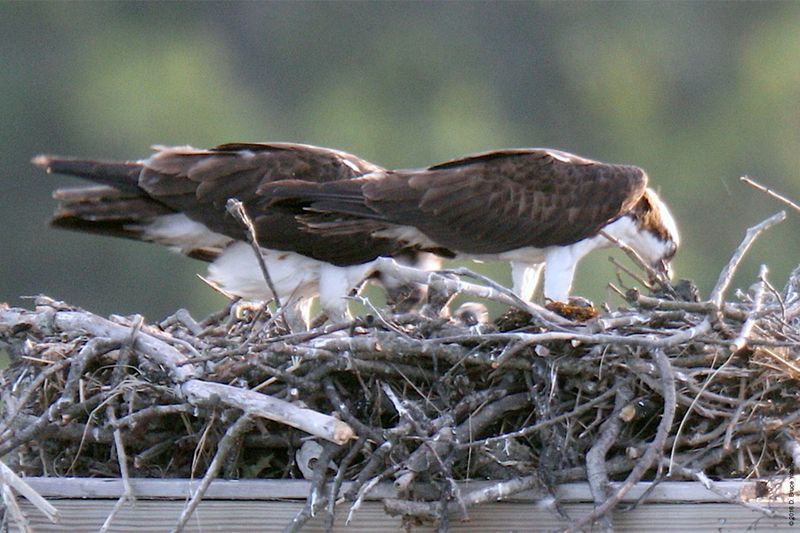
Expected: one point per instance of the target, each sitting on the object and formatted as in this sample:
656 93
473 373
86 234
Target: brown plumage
198 183
484 204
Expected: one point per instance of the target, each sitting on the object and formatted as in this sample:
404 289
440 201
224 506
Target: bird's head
656 239
649 229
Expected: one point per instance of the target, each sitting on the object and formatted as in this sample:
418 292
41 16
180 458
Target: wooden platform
268 505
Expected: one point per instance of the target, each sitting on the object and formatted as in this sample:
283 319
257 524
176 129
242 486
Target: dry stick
316 497
57 321
122 458
455 490
10 502
653 449
649 302
543 424
333 495
727 273
448 434
628 271
261 405
596 472
226 444
717 296
770 192
369 485
25 396
153 411
758 303
743 404
647 340
490 493
696 399
236 208
93 348
636 258
519 302
10 480
733 498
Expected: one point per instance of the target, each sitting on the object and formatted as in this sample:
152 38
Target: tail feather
121 175
105 210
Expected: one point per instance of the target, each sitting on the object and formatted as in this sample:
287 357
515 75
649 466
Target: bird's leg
558 275
525 279
559 271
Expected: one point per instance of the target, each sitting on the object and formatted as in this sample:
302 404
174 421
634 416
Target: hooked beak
663 271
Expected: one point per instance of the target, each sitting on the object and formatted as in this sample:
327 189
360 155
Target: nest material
697 389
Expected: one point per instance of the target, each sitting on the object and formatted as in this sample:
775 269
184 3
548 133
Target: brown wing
509 199
198 183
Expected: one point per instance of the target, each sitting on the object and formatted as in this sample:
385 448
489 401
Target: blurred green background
696 93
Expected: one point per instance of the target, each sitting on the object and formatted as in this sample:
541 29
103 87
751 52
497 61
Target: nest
664 385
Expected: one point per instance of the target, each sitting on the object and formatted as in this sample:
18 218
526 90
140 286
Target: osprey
527 206
177 197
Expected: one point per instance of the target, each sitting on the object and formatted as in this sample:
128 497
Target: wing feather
199 182
506 200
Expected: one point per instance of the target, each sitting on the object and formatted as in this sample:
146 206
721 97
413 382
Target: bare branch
770 192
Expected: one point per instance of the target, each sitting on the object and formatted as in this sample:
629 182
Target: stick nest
662 384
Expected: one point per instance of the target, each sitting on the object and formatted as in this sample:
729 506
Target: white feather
181 233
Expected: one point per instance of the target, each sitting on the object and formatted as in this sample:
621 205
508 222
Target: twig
122 458
23 399
543 424
654 449
770 192
491 493
649 302
596 457
154 411
725 277
261 405
696 399
333 495
541 312
733 498
236 208
10 503
226 444
643 282
758 303
636 258
317 499
11 480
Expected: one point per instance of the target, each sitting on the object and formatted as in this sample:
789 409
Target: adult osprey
526 206
177 197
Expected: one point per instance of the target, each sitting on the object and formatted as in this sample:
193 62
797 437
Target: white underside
560 261
297 279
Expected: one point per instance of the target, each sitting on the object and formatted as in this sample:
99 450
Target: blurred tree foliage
696 93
